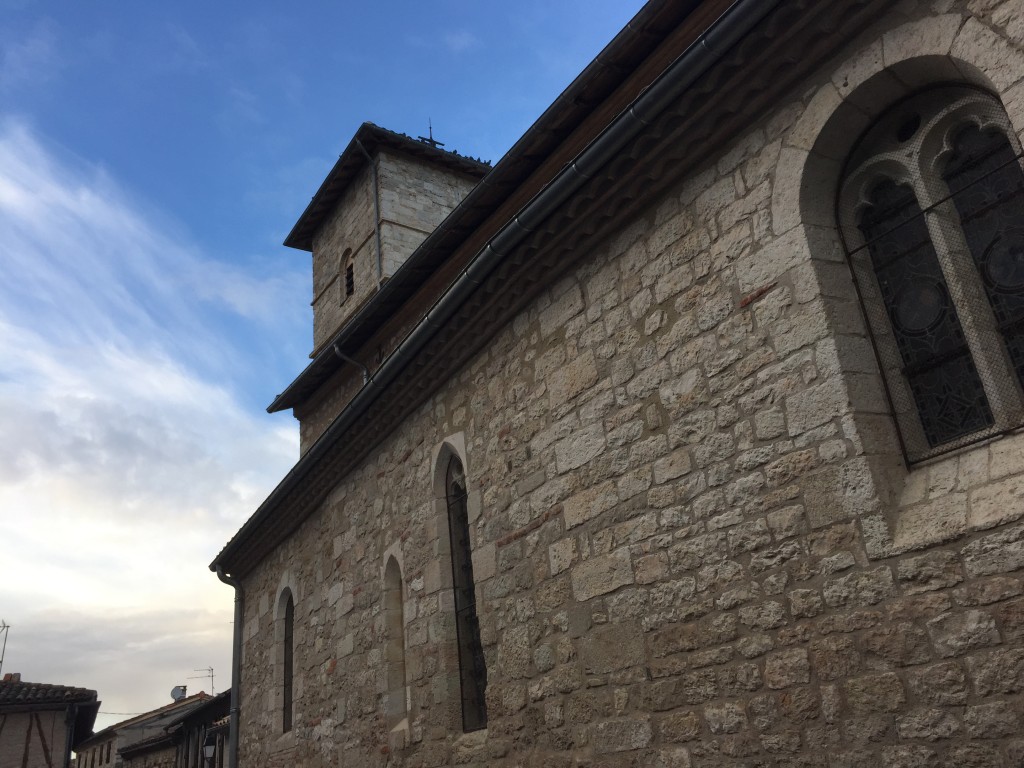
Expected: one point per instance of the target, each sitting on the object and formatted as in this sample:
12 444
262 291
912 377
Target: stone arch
939 50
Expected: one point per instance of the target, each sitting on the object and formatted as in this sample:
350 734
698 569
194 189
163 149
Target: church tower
385 194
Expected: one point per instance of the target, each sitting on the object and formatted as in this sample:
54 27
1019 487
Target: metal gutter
728 29
236 665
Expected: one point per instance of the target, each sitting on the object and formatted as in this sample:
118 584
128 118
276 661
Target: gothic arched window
287 683
394 649
472 667
931 208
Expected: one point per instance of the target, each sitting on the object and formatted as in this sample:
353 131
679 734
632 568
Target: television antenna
4 626
429 138
207 672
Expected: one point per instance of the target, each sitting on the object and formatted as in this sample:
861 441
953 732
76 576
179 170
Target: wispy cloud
28 59
460 40
126 455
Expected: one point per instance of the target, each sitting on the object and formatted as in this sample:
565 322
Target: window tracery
931 209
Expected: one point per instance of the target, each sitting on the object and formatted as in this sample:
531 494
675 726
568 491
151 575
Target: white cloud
29 59
127 458
460 40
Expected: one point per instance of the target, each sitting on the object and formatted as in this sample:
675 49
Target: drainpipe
236 666
376 211
356 363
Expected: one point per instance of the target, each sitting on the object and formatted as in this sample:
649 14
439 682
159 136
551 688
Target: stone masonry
695 542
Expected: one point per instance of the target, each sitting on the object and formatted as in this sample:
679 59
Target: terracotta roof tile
15 692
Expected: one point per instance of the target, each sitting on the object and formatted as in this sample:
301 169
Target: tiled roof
15 692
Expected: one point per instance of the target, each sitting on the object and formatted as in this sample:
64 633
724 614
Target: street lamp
208 751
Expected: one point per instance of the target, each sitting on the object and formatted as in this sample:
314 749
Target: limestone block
600 575
590 503
725 717
997 503
621 735
1001 552
927 724
561 555
579 448
932 522
611 647
787 667
1001 63
954 634
570 380
875 693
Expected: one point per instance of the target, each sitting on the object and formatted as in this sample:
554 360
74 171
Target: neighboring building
104 748
194 738
40 724
691 437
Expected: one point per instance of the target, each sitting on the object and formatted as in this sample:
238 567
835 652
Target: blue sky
153 156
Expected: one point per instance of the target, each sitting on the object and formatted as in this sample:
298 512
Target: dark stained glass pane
472 666
988 191
935 358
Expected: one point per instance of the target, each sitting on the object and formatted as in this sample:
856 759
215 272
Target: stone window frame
894 502
917 162
454 446
281 696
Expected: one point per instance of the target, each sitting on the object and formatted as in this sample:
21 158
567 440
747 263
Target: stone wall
695 541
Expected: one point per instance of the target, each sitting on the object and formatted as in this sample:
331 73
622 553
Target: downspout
236 666
356 363
376 211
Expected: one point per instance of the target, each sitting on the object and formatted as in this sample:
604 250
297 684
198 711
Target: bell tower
385 194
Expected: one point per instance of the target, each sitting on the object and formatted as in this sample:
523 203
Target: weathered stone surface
621 735
601 575
956 633
787 667
875 693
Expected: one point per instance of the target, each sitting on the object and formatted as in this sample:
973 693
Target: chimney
12 677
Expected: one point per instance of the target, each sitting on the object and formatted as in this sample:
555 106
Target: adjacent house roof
22 696
14 692
141 727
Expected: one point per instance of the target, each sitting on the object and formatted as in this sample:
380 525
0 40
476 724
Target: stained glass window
936 360
931 207
988 190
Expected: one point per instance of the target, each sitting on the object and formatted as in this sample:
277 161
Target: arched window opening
394 651
472 666
930 207
287 682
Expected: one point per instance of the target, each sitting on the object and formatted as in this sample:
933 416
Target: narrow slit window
472 665
287 681
394 626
